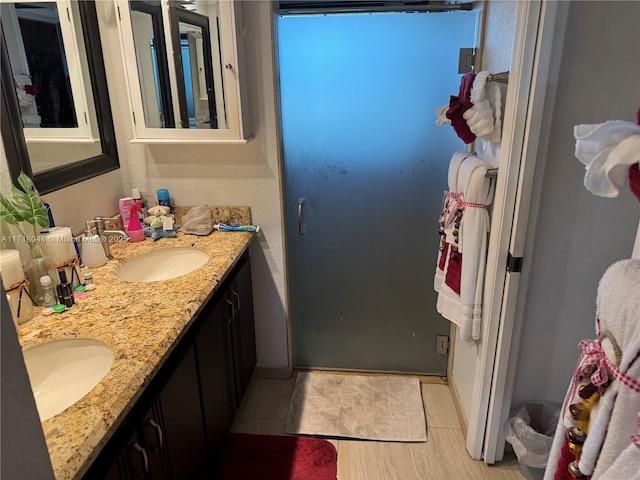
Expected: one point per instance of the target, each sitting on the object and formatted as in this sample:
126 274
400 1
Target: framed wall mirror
183 61
56 118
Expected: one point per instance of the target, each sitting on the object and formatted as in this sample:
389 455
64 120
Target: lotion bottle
125 210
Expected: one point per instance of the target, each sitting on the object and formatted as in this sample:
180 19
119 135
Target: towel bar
502 77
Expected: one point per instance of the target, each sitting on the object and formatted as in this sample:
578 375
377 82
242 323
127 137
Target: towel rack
502 77
491 173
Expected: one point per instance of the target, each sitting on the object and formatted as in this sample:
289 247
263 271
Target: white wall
496 57
577 234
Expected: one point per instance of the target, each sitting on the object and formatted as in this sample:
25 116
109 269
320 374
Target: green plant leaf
8 212
28 202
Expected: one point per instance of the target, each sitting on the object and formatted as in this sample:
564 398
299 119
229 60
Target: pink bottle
135 230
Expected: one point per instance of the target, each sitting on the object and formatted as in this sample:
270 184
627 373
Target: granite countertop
141 322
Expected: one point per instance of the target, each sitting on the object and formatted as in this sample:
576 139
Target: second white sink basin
63 371
163 264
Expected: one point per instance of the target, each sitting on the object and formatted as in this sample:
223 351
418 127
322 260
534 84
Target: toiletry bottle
49 298
138 197
164 199
65 292
135 229
88 279
125 204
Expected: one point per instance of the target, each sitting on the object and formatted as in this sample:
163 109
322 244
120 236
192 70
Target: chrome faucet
99 225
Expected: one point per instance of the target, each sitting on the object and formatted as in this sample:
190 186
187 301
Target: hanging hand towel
484 117
607 150
464 308
447 205
460 104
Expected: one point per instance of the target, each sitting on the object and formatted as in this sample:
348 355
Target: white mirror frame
232 50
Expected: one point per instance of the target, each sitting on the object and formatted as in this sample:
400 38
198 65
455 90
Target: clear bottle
49 298
88 279
37 267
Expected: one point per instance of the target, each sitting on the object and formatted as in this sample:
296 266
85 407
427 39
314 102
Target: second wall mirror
56 117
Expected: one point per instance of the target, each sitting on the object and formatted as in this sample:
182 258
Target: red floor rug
269 457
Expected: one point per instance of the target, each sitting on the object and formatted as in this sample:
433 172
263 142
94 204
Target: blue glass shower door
365 167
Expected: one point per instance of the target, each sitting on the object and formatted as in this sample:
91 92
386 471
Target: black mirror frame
11 119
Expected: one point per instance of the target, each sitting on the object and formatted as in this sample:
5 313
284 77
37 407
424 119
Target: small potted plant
25 205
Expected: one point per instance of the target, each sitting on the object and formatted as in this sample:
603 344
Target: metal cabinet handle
144 457
233 310
153 423
301 216
235 294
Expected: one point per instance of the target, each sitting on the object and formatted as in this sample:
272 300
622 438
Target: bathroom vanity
184 351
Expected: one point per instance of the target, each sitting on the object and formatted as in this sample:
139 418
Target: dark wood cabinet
242 329
177 428
213 347
182 420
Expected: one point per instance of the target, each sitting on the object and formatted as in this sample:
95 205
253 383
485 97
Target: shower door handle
301 216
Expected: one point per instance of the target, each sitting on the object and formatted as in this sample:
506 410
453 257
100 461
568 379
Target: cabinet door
215 375
182 419
152 437
243 328
126 459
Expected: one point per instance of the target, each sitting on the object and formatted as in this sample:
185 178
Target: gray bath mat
387 408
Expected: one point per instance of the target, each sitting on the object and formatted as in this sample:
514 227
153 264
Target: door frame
534 67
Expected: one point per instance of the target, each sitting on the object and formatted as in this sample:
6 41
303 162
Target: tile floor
443 457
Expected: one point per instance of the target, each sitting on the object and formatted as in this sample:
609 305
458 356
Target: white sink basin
63 371
163 264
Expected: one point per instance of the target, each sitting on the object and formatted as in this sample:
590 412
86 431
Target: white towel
607 150
454 167
615 419
619 312
484 117
465 309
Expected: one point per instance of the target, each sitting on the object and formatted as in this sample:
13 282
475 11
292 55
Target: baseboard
281 373
456 403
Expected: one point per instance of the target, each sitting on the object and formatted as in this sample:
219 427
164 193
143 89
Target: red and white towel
612 448
460 282
447 213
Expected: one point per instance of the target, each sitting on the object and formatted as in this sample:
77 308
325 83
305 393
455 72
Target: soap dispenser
92 250
135 230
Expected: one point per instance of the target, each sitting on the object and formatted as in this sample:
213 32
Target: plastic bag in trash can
530 431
